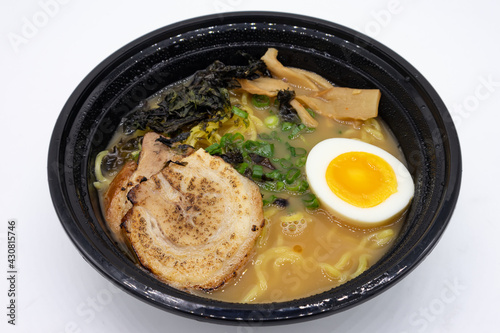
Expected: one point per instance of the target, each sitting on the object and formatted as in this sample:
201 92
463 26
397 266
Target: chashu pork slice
195 225
153 157
116 203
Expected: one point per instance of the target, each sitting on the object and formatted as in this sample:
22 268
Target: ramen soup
327 170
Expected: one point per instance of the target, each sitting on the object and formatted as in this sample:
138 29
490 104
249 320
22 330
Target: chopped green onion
229 140
291 149
311 112
296 130
310 201
295 151
274 135
271 121
237 137
265 136
135 154
301 162
300 151
269 201
280 186
242 168
260 101
286 126
275 174
214 148
257 171
260 148
268 186
239 112
301 186
292 175
285 164
226 138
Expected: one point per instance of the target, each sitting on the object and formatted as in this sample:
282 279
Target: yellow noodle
373 123
350 132
330 237
234 100
366 137
244 98
271 254
252 294
287 258
335 272
331 272
362 244
274 253
291 218
257 122
383 237
343 261
270 211
261 277
362 266
102 181
372 127
264 235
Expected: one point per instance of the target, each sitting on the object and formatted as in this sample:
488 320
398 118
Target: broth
294 264
301 251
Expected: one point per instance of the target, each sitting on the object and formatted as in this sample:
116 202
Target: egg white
320 157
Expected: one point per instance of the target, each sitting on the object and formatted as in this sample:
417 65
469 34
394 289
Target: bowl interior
409 105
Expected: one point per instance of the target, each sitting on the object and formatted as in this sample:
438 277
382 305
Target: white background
455 45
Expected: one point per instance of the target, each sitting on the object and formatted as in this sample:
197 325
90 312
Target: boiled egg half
359 183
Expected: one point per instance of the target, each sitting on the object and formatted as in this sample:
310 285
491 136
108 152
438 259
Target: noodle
362 265
382 238
101 180
321 252
332 272
373 129
343 261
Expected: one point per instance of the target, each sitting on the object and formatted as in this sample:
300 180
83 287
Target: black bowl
409 105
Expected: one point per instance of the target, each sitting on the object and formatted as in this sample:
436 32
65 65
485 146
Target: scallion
214 148
269 201
300 186
257 171
311 112
275 175
265 136
261 148
239 112
285 164
296 130
279 186
271 121
260 101
292 175
242 168
301 162
310 201
286 126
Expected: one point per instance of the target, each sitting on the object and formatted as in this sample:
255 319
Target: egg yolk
361 179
